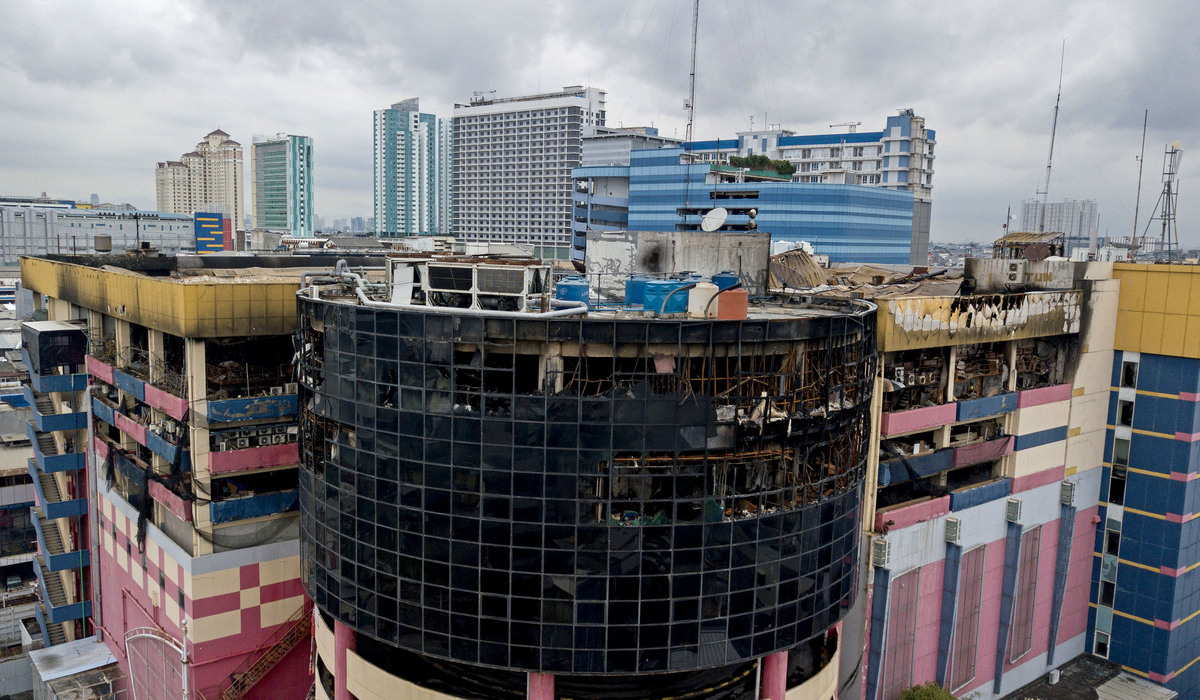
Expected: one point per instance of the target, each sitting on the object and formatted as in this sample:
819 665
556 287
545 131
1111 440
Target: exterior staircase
47 444
54 631
54 587
296 630
44 405
49 487
54 543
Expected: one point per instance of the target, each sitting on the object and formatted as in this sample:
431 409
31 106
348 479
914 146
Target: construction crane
851 127
1053 130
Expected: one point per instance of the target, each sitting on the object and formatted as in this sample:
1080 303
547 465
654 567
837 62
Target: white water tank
698 298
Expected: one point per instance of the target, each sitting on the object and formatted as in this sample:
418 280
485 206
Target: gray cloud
96 93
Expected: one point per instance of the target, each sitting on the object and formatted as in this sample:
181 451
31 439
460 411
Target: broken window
248 367
980 370
1124 413
1129 372
914 379
1045 362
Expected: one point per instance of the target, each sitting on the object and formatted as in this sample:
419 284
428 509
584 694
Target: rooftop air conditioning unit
276 391
290 388
953 530
243 443
278 439
482 285
1066 493
1012 510
881 553
264 440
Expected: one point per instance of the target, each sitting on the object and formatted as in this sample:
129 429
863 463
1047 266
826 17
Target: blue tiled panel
253 506
970 497
950 582
897 471
130 384
1062 565
1167 375
257 408
973 409
1115 379
879 616
1041 437
1012 556
103 412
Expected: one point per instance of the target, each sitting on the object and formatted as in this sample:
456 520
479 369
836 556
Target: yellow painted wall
1159 309
233 307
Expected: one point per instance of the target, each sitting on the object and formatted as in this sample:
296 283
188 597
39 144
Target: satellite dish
714 219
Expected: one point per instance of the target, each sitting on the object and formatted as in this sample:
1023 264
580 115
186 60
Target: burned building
503 493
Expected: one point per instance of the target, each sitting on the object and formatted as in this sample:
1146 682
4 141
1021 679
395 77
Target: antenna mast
1053 129
691 103
691 109
1133 242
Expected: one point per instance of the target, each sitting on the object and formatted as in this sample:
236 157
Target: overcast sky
95 93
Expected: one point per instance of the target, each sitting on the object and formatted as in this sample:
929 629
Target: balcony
974 409
47 455
253 506
50 500
912 467
51 547
978 494
54 597
46 419
142 435
231 461
156 397
984 451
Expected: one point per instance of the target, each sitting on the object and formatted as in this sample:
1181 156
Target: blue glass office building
849 223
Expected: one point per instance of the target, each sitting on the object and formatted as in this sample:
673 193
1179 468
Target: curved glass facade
583 495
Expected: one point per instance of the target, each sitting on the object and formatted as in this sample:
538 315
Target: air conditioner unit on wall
881 553
1012 510
953 530
1066 493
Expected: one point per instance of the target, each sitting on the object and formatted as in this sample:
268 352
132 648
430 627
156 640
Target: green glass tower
412 171
281 184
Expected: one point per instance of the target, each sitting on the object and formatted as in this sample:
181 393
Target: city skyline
991 103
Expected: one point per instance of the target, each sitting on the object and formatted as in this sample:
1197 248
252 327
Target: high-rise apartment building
512 165
412 171
900 157
208 178
281 185
1077 218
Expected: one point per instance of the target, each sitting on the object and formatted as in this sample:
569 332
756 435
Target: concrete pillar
197 389
540 686
774 676
343 641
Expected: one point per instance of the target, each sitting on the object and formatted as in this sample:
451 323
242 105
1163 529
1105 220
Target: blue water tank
635 289
656 295
725 279
572 288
